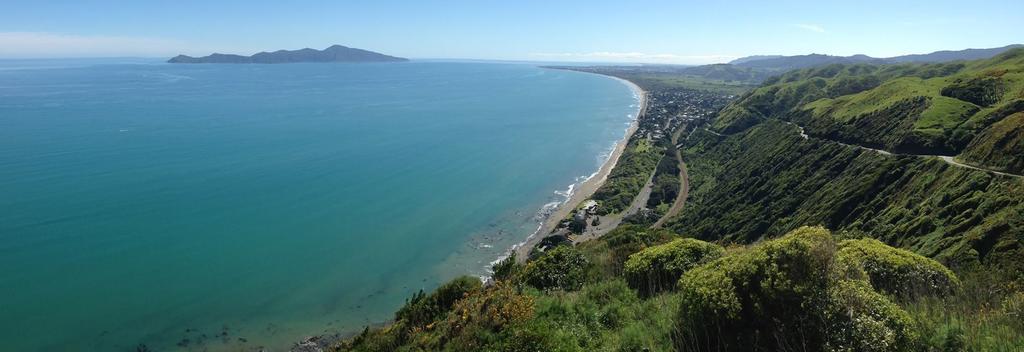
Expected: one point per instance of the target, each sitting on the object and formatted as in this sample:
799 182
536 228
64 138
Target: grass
1000 146
848 107
608 316
945 114
908 108
984 316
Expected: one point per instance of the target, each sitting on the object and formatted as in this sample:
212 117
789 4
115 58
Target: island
334 53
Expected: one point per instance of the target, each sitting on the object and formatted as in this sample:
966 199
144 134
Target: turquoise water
239 206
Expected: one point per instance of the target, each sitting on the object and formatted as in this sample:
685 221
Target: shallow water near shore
227 207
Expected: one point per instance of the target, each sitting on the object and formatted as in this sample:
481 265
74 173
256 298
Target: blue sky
688 32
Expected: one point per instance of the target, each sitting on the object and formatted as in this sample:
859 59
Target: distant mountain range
753 58
334 53
755 69
785 63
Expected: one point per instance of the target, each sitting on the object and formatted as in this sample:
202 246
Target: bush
533 336
765 296
628 239
472 323
562 268
982 91
897 271
860 319
786 294
422 309
658 268
505 268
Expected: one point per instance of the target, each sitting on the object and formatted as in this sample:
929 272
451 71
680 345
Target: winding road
948 159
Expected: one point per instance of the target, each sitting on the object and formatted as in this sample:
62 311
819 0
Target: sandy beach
587 188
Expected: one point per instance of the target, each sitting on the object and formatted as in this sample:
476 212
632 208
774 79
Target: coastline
577 193
585 189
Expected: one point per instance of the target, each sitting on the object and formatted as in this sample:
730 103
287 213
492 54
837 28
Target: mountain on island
334 53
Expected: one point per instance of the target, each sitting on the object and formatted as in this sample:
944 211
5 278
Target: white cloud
811 27
42 44
635 57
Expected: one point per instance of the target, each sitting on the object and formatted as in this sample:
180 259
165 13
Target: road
684 183
948 159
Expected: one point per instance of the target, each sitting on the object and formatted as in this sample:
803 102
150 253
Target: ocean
232 207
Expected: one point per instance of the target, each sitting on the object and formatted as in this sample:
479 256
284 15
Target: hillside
768 180
937 109
334 53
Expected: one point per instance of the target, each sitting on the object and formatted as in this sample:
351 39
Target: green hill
768 180
922 109
999 146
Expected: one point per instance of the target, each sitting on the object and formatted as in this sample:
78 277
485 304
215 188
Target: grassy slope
927 109
768 180
1000 146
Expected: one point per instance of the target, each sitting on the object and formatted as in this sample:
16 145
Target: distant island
334 53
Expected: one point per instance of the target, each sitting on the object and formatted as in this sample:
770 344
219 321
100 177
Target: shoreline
583 190
577 192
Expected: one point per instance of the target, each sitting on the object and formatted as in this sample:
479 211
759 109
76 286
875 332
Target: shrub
422 309
860 319
658 268
562 268
625 240
769 296
533 336
787 294
505 268
982 91
473 321
897 271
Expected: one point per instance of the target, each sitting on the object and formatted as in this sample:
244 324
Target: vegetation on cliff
768 180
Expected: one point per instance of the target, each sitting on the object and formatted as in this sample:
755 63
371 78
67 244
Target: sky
655 31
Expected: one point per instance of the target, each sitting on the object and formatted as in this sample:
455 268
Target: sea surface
228 207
